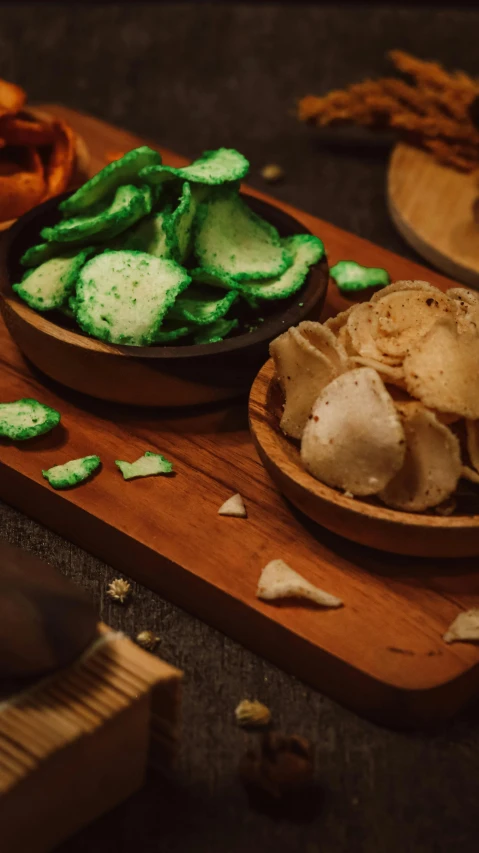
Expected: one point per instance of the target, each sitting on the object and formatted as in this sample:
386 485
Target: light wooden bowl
364 521
147 376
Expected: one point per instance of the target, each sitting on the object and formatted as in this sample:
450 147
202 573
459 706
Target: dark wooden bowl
367 522
147 376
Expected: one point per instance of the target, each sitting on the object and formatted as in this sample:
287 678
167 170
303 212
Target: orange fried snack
12 98
432 109
22 184
59 168
23 131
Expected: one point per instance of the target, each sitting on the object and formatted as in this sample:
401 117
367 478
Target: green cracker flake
230 239
146 466
36 255
305 250
215 332
128 206
105 183
212 168
352 277
26 418
123 296
179 225
200 307
214 278
49 286
171 332
72 473
149 235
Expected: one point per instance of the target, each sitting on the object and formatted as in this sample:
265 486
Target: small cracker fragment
465 628
352 277
146 466
72 473
278 580
253 714
26 418
234 507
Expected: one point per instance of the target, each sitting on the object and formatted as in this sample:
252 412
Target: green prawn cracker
352 277
72 473
199 307
128 206
146 466
231 239
305 250
212 168
49 286
105 183
216 331
26 418
123 296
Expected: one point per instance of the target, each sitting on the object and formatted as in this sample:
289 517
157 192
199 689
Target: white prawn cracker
147 465
465 628
307 359
354 440
234 507
278 580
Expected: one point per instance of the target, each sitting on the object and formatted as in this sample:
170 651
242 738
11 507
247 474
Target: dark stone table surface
196 76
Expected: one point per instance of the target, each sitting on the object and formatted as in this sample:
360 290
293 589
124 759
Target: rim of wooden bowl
281 451
312 293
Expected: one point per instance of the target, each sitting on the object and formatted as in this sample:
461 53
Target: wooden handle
45 621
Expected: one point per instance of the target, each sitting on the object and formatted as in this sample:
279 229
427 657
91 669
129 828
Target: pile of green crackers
147 254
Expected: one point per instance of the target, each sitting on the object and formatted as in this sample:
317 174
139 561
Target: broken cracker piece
465 628
234 507
278 580
254 713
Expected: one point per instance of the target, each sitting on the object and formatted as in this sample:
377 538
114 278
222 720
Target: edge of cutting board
382 654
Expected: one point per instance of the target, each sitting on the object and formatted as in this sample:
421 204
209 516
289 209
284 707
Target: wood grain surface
432 208
382 653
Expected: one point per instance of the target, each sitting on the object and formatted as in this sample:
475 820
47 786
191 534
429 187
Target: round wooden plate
432 208
365 522
148 376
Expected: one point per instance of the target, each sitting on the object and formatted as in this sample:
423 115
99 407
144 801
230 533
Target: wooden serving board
432 208
381 654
